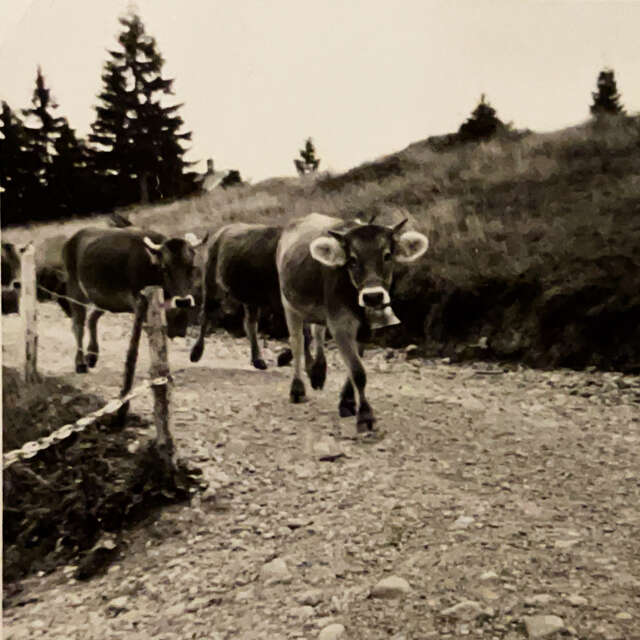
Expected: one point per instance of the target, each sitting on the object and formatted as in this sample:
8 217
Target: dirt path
499 496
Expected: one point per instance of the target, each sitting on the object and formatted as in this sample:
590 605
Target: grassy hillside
535 243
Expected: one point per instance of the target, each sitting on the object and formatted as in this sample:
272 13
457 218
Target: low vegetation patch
71 501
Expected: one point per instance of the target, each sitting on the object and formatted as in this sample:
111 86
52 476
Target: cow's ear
153 249
328 251
193 239
410 246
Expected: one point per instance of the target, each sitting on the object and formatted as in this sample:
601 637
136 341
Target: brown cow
339 277
10 275
109 268
241 263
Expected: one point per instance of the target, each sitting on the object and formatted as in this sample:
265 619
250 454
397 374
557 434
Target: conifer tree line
134 152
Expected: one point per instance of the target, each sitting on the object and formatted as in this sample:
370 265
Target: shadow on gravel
70 503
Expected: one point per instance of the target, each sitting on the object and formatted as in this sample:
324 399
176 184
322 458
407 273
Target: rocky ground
495 502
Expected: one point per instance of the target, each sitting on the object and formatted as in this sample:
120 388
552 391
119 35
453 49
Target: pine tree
45 127
307 163
63 185
17 171
482 124
71 185
139 139
606 100
42 129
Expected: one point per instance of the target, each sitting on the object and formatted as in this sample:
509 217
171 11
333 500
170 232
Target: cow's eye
387 256
352 262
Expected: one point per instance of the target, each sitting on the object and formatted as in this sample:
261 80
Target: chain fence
64 297
31 449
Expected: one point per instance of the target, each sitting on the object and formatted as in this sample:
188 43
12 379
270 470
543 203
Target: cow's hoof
81 368
196 351
285 358
365 424
297 393
91 359
365 418
347 408
318 374
259 363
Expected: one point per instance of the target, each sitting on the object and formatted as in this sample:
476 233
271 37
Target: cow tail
60 282
210 300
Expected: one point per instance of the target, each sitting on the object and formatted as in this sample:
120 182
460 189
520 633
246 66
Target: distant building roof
211 179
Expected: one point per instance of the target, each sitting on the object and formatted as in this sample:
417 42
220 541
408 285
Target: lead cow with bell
338 276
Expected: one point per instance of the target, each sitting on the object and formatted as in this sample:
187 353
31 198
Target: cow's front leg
317 370
251 317
347 406
344 333
296 340
78 315
198 347
93 349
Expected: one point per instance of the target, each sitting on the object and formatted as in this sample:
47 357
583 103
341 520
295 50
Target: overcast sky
362 77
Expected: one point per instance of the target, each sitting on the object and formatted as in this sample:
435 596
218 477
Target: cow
50 273
51 276
338 276
241 263
10 275
177 319
108 268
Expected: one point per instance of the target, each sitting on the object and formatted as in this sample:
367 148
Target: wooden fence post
29 313
156 329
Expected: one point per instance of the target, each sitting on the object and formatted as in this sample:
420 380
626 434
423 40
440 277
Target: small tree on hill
231 179
606 100
482 124
139 139
307 163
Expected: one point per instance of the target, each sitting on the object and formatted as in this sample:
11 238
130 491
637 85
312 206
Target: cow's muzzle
373 297
182 302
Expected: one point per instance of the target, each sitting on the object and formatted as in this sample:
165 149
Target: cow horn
192 239
338 235
373 217
120 221
399 226
151 244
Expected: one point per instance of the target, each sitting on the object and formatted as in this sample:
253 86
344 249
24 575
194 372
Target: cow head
368 252
175 259
11 266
